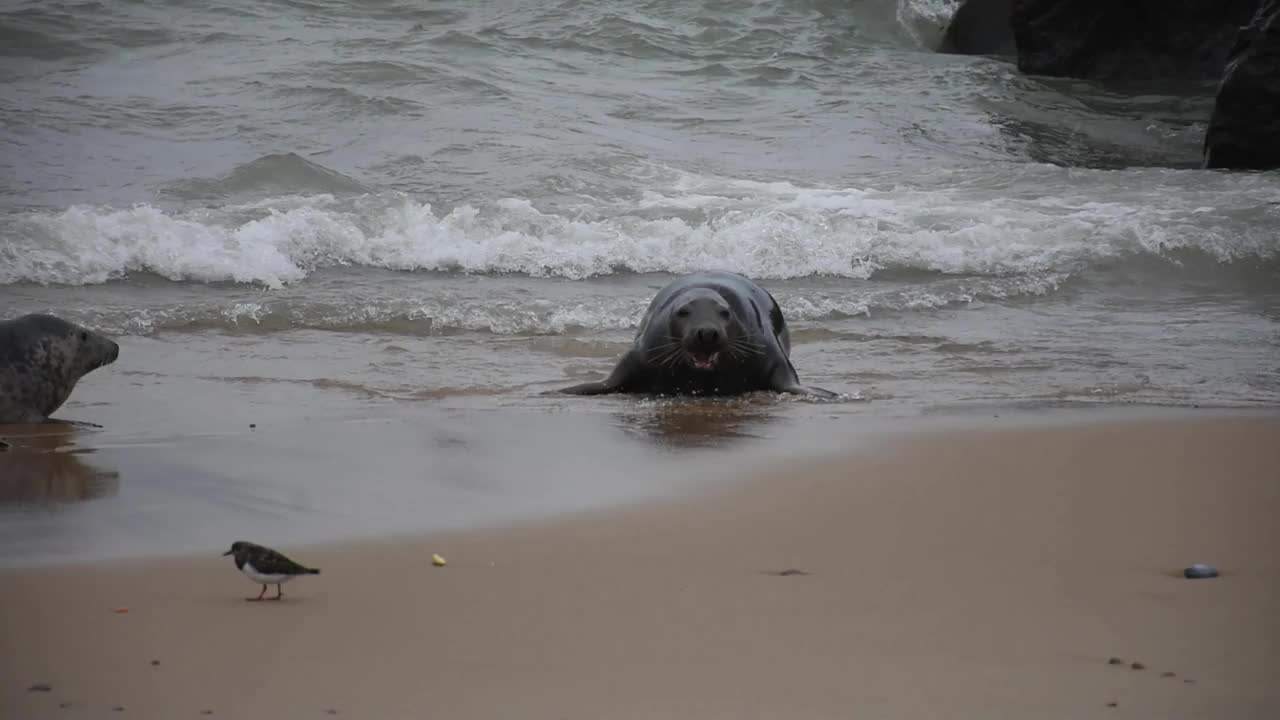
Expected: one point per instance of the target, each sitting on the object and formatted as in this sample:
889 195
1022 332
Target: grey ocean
291 210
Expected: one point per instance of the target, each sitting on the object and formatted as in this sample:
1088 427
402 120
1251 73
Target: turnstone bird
266 566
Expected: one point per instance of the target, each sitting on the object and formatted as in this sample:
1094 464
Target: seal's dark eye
724 314
682 312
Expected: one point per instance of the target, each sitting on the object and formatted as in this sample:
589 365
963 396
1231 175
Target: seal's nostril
708 336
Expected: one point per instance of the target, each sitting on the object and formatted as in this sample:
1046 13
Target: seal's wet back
707 333
42 357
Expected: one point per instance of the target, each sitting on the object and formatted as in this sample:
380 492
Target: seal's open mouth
704 360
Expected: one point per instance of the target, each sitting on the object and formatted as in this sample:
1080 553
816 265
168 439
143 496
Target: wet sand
989 573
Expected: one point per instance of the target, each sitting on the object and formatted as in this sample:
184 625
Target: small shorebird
266 566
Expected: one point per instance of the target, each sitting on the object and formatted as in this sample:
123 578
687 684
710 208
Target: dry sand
982 574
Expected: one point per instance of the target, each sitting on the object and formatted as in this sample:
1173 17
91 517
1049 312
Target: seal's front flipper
77 423
812 392
591 388
784 380
625 376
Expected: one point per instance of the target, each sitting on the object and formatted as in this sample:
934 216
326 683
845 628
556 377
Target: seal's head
42 357
77 350
705 327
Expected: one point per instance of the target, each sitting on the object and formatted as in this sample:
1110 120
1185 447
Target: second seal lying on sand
707 333
42 357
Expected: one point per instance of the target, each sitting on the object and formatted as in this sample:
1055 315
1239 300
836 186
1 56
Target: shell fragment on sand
1200 571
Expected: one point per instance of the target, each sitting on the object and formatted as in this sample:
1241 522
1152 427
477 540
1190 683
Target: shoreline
716 464
712 461
968 573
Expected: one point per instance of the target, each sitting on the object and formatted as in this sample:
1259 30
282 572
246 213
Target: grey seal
707 333
42 357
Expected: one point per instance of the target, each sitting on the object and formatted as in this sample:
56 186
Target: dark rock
1138 666
1168 674
155 662
1137 40
980 27
1115 661
118 708
40 687
1244 130
1200 571
1113 704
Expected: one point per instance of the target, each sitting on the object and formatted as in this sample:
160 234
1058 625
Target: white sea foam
926 20
510 311
765 230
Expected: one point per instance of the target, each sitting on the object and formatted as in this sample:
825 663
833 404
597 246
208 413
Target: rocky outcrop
1145 44
980 27
1127 39
1244 131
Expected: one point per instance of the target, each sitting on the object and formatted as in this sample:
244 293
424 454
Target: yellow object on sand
437 561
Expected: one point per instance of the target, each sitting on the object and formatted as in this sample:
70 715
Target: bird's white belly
252 573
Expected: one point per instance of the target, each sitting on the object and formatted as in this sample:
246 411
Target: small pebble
253 425
40 687
4 445
1189 681
1168 674
64 705
792 571
155 662
1200 571
206 712
331 711
1115 661
1113 704
1138 666
118 708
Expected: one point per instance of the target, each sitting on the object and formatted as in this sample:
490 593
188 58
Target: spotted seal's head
65 349
705 328
78 350
42 357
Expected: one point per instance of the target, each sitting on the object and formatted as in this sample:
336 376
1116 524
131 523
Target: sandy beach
991 573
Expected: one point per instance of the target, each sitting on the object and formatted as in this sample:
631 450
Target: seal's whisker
663 353
669 359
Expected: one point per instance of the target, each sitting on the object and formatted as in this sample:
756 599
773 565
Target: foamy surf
769 231
374 302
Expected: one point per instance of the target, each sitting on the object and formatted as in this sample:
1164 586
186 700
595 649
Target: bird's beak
226 553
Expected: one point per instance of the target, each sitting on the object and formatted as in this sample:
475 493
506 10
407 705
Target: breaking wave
764 230
509 311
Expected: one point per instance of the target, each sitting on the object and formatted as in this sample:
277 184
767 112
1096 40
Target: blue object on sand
1200 570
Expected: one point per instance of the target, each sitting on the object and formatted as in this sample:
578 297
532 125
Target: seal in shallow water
42 357
707 333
